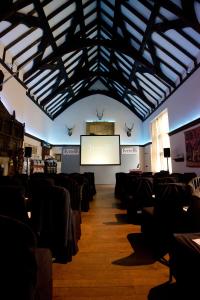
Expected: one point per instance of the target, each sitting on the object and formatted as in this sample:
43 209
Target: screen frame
117 164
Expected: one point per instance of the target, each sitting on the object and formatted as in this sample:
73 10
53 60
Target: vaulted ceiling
137 52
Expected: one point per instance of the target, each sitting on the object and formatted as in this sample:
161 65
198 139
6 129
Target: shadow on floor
165 291
121 219
119 205
142 255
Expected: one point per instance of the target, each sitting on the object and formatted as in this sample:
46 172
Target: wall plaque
100 128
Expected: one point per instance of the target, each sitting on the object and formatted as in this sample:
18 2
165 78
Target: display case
37 166
50 165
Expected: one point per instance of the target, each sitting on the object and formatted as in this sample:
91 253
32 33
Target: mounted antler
100 115
70 130
129 130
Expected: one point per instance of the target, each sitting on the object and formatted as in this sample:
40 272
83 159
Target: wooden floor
111 263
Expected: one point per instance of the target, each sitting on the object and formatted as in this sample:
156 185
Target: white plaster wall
13 96
85 110
183 106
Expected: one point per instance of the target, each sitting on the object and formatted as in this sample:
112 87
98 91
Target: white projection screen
100 150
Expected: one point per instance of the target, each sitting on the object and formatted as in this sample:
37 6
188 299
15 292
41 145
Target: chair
165 179
127 188
186 177
140 197
91 178
185 264
85 191
193 214
25 271
166 217
74 189
120 183
51 220
70 184
12 202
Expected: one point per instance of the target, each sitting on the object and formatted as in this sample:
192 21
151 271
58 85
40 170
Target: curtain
160 140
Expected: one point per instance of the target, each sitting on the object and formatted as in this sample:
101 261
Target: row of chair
185 249
167 216
136 191
40 222
72 181
170 220
55 206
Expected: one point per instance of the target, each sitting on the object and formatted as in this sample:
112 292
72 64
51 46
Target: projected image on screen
100 150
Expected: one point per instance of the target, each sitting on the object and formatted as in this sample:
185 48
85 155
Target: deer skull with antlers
129 130
100 115
70 130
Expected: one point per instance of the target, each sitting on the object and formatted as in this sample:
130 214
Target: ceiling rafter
47 30
82 28
110 94
122 45
76 44
84 75
145 40
8 8
28 20
187 15
67 84
142 71
180 30
120 78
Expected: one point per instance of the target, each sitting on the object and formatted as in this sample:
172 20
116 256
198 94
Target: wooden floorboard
107 265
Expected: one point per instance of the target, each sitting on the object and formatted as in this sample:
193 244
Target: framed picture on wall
100 128
192 144
58 157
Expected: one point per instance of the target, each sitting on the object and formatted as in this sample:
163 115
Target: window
160 140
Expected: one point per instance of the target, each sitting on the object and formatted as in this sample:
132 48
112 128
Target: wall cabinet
11 140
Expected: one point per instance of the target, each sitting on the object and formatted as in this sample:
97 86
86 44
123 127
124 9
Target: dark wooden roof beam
152 85
187 14
176 45
38 82
59 9
142 106
21 37
81 44
156 62
50 106
8 10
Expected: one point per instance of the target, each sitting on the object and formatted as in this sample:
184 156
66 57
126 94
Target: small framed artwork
58 157
192 144
100 128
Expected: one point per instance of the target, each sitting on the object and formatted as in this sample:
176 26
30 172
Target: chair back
170 199
17 260
12 202
51 220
